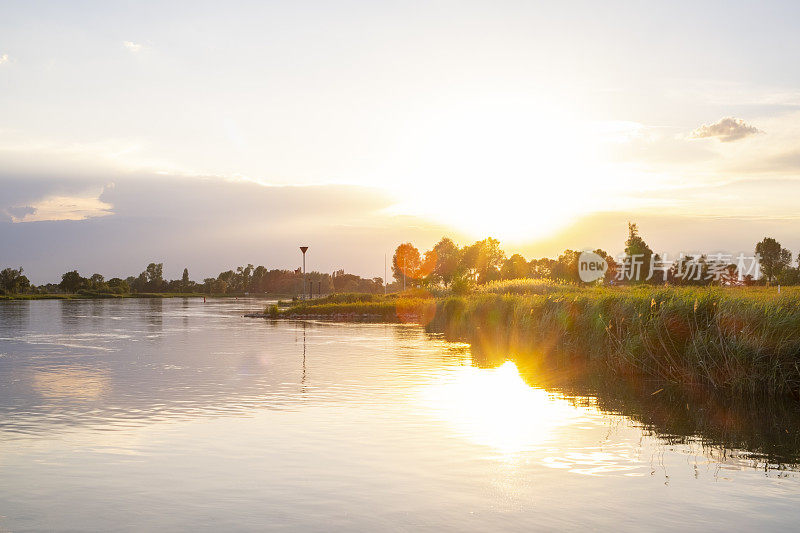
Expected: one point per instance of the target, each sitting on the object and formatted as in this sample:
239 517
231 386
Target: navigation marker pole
304 249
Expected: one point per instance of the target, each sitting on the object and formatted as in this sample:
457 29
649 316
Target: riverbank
738 340
95 296
100 295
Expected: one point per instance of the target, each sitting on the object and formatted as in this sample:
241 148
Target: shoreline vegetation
111 296
240 282
740 340
702 322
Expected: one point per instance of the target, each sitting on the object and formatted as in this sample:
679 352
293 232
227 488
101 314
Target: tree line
242 280
460 268
446 264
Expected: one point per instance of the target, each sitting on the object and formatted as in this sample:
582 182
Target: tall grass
731 339
404 308
525 286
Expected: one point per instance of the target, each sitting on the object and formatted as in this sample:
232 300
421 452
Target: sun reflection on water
496 408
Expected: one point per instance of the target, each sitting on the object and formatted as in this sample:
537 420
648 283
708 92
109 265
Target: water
178 415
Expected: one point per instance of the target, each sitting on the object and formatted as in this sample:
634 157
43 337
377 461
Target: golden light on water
496 408
84 384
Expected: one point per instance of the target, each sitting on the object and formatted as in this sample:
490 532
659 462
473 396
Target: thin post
304 249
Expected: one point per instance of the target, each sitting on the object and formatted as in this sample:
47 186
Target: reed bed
409 308
740 340
732 339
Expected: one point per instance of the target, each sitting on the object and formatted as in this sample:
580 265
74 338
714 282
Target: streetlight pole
304 249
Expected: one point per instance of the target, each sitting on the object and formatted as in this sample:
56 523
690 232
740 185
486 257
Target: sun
501 169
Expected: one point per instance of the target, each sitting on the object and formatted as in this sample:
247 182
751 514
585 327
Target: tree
97 283
484 259
514 267
566 267
690 270
613 268
773 258
638 254
406 263
242 278
541 268
71 281
12 281
155 274
119 286
448 259
185 278
789 276
138 284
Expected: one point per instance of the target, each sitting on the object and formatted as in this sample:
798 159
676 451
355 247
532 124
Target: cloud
4 59
132 46
205 223
726 130
60 207
20 212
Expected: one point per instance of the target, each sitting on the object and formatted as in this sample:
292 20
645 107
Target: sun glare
501 169
496 408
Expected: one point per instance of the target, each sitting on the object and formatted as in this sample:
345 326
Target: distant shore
107 296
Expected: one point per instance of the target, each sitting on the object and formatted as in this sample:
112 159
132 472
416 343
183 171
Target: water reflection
179 414
755 432
498 409
104 360
65 383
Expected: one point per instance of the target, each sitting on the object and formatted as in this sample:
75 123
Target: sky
209 135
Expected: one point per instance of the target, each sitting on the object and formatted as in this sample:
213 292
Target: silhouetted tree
484 259
639 254
772 257
119 286
541 268
155 274
12 281
71 281
448 259
613 267
514 267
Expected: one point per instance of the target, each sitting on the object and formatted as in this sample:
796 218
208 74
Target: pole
304 249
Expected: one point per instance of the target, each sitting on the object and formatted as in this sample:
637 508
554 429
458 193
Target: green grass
389 309
38 296
411 305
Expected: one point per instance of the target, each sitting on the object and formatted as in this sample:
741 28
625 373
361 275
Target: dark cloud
20 211
207 225
726 130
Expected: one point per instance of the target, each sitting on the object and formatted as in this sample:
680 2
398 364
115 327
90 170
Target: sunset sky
211 135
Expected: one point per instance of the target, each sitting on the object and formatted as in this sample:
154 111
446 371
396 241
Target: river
174 414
